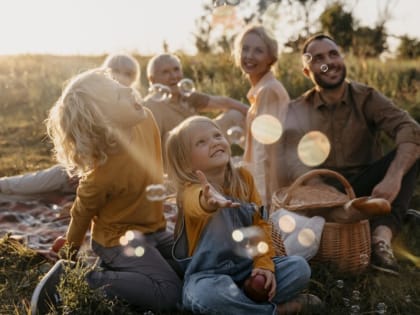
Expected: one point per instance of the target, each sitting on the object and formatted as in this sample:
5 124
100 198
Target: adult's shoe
383 258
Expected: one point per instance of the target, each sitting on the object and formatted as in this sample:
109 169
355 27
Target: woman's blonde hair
178 154
81 134
259 30
125 65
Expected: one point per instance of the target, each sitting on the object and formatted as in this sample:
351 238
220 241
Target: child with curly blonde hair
103 134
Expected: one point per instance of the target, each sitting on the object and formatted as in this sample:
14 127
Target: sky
141 26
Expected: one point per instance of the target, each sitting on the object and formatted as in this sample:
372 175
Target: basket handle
310 174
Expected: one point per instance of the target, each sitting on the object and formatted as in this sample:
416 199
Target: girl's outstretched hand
210 198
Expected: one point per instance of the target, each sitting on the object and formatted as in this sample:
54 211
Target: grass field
29 85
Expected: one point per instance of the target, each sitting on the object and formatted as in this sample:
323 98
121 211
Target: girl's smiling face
210 151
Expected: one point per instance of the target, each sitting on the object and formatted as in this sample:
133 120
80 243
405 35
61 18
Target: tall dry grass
29 85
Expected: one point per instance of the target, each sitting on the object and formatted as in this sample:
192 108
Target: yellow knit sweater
112 198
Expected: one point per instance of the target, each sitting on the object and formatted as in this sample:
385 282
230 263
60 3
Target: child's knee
303 268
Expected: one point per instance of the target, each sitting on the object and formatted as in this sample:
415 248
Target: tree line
336 19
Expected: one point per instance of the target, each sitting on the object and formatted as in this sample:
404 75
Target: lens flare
238 236
306 237
129 235
226 17
287 223
139 251
262 248
314 148
250 241
123 240
266 129
401 251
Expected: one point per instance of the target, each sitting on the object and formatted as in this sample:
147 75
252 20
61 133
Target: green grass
21 269
29 85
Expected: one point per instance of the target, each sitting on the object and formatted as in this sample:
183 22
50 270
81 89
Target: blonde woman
103 134
255 52
215 199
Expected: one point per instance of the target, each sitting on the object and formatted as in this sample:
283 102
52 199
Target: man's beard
330 86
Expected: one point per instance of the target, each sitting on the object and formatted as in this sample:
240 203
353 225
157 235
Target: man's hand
387 189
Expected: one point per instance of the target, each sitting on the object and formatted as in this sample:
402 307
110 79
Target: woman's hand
270 280
210 198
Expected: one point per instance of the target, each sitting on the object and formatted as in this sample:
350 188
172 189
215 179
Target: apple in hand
254 288
58 244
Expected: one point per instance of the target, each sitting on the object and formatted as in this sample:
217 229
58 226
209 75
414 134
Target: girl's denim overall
214 274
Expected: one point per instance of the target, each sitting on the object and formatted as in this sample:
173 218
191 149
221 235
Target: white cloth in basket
301 235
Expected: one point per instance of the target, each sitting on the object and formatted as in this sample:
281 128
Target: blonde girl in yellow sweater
216 201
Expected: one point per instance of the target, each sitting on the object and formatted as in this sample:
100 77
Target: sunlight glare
287 223
306 237
314 148
266 129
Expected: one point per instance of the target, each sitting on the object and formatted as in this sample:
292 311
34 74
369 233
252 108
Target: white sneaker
45 296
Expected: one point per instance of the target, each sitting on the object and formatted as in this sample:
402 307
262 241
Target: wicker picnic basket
345 245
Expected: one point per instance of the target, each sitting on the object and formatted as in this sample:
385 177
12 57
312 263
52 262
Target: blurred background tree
217 27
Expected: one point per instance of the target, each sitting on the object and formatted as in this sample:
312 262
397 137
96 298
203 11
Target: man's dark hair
314 38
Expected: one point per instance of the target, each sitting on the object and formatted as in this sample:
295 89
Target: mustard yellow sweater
196 218
112 198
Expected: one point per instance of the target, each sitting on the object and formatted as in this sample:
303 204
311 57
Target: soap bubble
381 308
160 92
219 3
186 87
364 259
237 161
307 57
235 135
324 67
